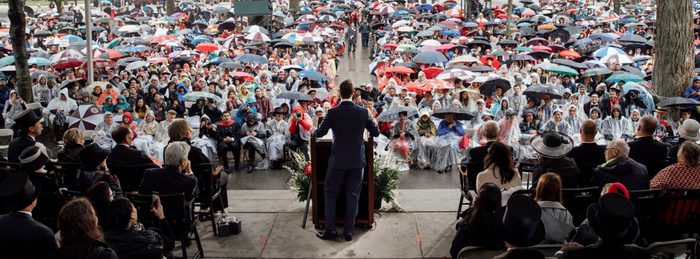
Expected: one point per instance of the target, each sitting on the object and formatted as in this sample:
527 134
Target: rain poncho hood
181 95
108 107
122 106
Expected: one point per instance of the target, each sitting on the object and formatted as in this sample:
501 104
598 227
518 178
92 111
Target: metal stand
308 200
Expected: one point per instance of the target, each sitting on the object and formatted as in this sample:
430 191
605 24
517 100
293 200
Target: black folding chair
176 213
129 176
67 174
678 214
655 167
14 167
645 203
576 200
584 178
464 191
207 190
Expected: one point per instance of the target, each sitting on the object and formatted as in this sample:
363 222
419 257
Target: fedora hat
552 144
27 119
19 192
613 218
92 155
689 130
519 223
33 158
278 110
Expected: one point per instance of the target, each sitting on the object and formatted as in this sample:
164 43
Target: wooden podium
320 153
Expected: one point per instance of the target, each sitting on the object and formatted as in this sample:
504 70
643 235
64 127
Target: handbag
464 143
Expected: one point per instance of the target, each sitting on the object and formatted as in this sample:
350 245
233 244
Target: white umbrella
136 65
130 28
257 36
86 117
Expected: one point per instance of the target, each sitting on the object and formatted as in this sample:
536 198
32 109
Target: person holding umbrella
450 132
405 137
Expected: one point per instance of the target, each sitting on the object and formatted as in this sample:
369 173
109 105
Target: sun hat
689 130
552 144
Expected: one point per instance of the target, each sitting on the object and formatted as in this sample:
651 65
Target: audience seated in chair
519 224
131 239
475 229
123 153
645 149
170 179
500 170
684 174
688 132
100 196
554 147
588 152
30 128
558 222
228 138
33 162
585 235
620 168
81 238
93 169
73 141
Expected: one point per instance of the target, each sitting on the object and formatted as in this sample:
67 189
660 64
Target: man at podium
347 159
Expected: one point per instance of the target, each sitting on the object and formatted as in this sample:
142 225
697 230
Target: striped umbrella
86 117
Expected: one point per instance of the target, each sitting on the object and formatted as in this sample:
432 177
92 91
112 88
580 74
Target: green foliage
299 182
386 178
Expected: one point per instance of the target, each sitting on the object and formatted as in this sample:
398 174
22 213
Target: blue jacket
443 129
689 91
348 122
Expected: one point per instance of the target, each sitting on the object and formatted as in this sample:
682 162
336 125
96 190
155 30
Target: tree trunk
509 18
294 4
468 12
19 50
59 6
673 69
616 6
170 7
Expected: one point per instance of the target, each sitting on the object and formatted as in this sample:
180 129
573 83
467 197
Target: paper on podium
329 136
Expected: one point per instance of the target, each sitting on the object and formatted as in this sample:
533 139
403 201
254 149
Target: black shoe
439 171
448 169
327 235
348 237
250 169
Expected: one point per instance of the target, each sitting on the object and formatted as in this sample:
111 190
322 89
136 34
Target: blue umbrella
430 57
313 75
39 62
219 60
279 14
608 51
7 61
398 13
524 24
134 49
303 28
72 38
147 9
470 25
200 40
602 36
450 33
583 41
251 58
424 7
393 114
643 95
185 31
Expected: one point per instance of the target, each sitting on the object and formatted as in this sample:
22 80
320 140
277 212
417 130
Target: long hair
77 222
98 195
500 155
479 217
119 215
549 188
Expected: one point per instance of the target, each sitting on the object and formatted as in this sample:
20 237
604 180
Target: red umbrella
207 47
243 75
438 84
494 63
68 62
418 87
157 60
163 38
400 69
100 63
569 53
444 47
391 46
541 48
113 54
432 72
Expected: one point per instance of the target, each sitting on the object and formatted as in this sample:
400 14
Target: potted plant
386 178
299 182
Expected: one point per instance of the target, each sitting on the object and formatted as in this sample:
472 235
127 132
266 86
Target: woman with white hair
573 118
145 141
557 124
102 134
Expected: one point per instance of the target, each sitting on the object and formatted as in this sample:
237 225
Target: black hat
33 158
613 218
27 119
278 110
552 144
519 223
594 92
251 117
92 155
19 191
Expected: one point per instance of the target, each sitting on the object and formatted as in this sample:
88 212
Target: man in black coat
123 154
607 104
170 179
476 155
645 149
20 235
613 220
620 168
351 37
588 152
364 30
228 138
30 125
594 103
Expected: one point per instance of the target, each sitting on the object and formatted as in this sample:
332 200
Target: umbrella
86 117
39 61
251 58
393 113
491 84
313 75
429 57
451 74
569 63
459 114
207 47
539 91
36 74
678 102
231 65
400 70
68 62
562 70
137 64
596 72
624 77
295 96
437 84
69 82
194 96
632 38
634 71
482 69
9 60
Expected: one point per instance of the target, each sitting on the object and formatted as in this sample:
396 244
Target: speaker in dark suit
347 159
20 235
30 124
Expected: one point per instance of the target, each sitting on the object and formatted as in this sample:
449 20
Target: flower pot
377 202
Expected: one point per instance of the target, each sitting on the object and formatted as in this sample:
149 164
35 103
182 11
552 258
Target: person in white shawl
633 122
278 130
146 141
573 118
615 125
102 134
39 87
60 108
13 107
162 128
205 139
254 133
518 101
556 124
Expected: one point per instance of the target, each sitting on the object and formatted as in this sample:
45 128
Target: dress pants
224 147
365 40
353 186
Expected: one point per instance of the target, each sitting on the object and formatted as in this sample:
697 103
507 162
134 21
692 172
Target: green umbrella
522 48
618 78
9 60
112 43
39 62
406 46
412 33
562 70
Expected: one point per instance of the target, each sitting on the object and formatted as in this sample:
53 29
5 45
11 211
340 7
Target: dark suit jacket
17 146
348 122
21 236
647 150
168 180
602 251
587 109
588 153
477 154
123 155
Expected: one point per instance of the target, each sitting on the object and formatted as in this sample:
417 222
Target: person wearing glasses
620 168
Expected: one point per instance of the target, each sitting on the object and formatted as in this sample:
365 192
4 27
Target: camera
298 113
154 199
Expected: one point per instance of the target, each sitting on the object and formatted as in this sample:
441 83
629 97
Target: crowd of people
566 89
